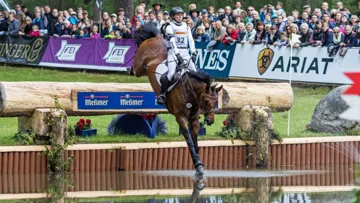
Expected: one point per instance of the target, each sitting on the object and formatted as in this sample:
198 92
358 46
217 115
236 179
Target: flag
294 38
353 112
354 89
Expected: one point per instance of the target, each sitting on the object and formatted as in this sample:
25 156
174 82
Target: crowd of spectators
334 28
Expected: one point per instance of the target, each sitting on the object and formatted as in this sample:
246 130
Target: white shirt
181 37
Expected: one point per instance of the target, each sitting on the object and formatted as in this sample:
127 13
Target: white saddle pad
162 68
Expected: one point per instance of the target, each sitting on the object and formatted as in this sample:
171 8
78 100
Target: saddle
180 71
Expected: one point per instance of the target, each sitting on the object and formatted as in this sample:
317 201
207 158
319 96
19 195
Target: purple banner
101 54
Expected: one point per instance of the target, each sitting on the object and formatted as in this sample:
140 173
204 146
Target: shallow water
318 184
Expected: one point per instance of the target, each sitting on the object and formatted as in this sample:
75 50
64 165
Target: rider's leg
165 82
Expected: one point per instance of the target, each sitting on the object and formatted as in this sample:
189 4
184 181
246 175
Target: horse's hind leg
194 156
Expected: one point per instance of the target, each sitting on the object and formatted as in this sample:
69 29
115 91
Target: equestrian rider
178 36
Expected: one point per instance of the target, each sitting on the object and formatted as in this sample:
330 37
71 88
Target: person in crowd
35 32
306 34
279 9
241 32
272 35
139 15
349 41
250 33
94 32
67 29
228 14
153 20
194 16
260 34
38 21
211 13
325 7
312 22
160 19
28 26
121 14
316 38
231 35
283 40
286 22
157 8
219 33
59 26
13 28
68 17
338 37
25 10
326 19
327 35
108 28
354 22
202 36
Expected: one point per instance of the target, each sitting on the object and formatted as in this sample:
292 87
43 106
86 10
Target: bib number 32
180 40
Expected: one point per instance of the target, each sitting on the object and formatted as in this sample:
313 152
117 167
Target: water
318 184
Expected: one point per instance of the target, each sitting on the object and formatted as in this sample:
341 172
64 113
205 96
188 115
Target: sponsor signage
102 54
117 100
308 64
22 49
217 62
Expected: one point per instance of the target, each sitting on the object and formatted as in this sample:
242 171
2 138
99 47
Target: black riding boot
164 86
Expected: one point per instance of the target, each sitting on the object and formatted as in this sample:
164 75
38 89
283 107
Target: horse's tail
146 32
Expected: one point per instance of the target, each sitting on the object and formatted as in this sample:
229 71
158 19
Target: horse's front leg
182 121
194 130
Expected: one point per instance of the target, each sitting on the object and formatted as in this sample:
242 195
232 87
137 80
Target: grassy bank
301 112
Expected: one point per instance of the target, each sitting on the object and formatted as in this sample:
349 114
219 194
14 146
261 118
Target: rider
178 36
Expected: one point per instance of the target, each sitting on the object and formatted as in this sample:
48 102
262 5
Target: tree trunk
97 16
51 3
128 5
61 4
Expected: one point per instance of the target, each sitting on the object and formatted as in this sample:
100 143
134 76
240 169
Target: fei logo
67 52
116 54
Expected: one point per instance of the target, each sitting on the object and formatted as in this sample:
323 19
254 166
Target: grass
305 100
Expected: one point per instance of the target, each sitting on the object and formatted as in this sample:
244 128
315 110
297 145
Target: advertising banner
217 62
309 64
22 49
102 54
117 100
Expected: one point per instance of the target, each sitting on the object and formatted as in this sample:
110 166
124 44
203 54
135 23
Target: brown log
22 98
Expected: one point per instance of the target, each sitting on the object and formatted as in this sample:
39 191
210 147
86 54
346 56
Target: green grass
305 100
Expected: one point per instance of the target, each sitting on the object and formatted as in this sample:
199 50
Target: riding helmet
176 10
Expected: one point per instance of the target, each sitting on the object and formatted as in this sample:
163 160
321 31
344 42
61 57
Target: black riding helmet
174 11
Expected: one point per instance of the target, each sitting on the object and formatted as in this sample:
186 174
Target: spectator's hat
306 6
113 15
203 11
157 4
166 13
12 11
73 13
66 22
273 16
121 9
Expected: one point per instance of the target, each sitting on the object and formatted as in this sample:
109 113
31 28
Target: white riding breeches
172 62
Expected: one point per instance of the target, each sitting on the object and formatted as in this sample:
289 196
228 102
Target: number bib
180 34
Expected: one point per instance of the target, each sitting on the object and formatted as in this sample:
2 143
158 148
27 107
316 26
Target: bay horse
192 95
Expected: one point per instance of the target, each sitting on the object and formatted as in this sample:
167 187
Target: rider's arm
191 41
171 38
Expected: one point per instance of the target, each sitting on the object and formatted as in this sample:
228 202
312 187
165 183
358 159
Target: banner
218 62
22 49
117 100
102 54
309 64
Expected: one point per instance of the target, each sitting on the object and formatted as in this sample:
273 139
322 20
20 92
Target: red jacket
234 36
34 34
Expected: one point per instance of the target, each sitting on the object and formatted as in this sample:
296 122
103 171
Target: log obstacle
34 102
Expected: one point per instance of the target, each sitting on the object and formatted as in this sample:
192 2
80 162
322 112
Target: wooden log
22 98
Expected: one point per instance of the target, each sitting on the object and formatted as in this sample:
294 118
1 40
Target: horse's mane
201 76
146 32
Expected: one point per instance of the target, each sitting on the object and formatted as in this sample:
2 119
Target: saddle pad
162 68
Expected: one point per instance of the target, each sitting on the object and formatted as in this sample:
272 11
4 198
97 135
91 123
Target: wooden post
257 121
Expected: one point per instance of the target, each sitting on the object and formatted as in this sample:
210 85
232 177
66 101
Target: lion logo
264 60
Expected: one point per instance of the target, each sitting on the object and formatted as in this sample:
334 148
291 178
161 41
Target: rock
326 114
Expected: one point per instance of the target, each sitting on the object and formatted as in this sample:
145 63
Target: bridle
209 110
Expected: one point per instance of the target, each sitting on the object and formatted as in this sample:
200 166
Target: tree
128 5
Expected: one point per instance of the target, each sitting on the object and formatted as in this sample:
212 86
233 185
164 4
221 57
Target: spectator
250 33
153 21
25 11
325 8
249 18
283 40
211 13
202 36
13 28
38 20
209 28
241 32
288 21
53 22
317 35
313 21
272 35
194 16
220 32
71 19
111 35
118 35
28 26
35 32
108 28
280 10
326 19
59 27
160 19
305 33
157 8
327 35
354 22
260 34
231 35
338 38
139 15
349 38
94 32
228 14
85 15
317 13
121 15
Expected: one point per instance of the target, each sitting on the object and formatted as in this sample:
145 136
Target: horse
193 94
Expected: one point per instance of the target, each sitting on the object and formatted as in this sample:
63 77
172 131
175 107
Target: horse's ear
213 87
219 88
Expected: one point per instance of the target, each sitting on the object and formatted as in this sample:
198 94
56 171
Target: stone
326 119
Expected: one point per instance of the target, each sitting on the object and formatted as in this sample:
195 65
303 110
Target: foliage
357 192
25 137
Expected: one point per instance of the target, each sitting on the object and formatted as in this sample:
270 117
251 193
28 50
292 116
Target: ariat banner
22 49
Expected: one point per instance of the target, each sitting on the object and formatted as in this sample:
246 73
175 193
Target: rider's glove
179 58
193 57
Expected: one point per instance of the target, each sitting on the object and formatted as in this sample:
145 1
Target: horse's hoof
200 169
